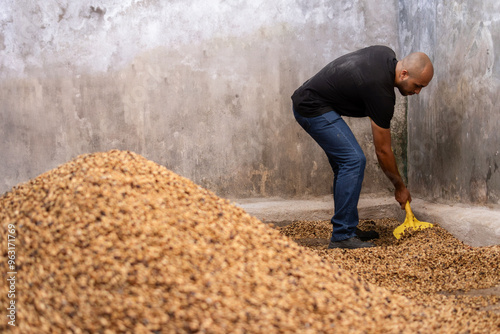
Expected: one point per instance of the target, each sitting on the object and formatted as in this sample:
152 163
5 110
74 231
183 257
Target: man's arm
387 161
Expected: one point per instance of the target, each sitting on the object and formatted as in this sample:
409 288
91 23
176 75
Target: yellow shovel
410 222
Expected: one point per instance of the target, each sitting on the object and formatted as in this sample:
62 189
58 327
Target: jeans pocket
331 117
303 121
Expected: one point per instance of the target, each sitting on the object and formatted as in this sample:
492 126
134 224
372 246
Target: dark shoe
366 235
350 243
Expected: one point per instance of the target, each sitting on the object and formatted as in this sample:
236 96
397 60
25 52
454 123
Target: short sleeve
380 109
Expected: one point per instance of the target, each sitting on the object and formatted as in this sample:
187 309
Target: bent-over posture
358 84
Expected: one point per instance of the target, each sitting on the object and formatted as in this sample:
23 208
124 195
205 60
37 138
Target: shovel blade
418 225
410 223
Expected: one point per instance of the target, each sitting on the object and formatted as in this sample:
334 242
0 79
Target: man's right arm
387 161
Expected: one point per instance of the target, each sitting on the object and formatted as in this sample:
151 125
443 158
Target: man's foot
351 243
366 235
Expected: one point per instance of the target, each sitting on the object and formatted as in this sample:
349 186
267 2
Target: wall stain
264 174
61 16
98 10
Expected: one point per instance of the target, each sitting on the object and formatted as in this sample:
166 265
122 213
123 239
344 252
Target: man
358 84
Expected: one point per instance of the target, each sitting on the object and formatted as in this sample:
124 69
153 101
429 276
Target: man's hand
387 161
402 196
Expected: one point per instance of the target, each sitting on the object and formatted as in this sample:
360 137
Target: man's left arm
387 161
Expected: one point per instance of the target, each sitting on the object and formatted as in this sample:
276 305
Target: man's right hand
387 161
402 195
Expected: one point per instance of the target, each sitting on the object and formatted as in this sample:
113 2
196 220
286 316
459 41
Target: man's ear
403 75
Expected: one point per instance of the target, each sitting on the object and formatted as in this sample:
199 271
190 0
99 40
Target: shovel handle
408 209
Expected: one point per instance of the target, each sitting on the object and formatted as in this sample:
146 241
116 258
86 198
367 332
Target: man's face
409 85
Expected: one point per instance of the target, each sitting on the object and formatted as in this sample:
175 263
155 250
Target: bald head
413 73
418 63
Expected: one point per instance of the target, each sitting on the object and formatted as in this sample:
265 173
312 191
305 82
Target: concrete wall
200 86
454 137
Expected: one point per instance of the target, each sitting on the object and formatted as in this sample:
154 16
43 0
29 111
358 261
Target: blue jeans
348 162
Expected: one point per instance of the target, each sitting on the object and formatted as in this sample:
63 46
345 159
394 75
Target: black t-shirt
358 84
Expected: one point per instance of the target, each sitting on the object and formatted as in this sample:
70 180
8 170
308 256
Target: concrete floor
475 226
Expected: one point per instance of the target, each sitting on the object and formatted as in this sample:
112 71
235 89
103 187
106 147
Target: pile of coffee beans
114 243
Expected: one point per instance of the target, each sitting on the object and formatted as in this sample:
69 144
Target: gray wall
203 87
454 127
200 86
